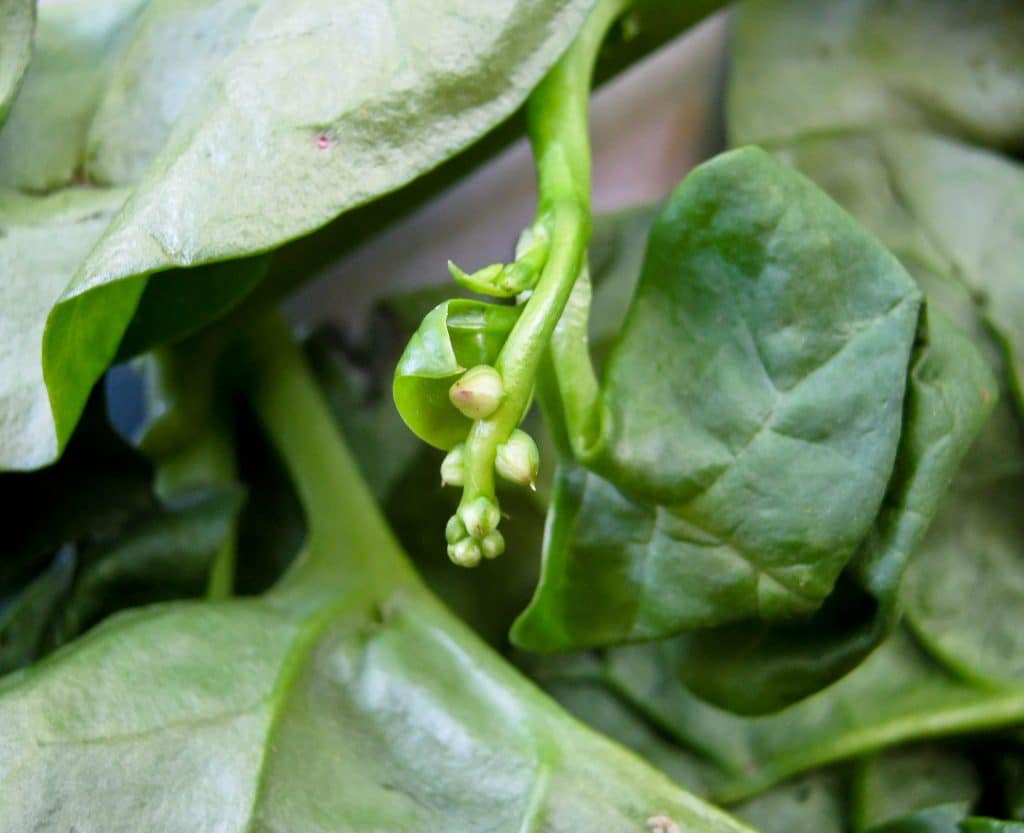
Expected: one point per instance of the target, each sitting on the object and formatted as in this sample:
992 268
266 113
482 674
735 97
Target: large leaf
266 132
752 408
803 67
17 21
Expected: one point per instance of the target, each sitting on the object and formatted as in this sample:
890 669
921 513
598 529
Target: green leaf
802 67
758 449
17 22
981 825
454 336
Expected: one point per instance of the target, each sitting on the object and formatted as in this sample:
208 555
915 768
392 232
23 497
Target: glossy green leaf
740 469
803 67
981 825
17 22
454 337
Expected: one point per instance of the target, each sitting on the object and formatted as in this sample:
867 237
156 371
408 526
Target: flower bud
455 530
480 517
478 393
466 553
492 545
453 466
518 459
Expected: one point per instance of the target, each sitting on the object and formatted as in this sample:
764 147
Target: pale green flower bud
455 531
480 517
492 545
478 392
453 467
466 553
518 459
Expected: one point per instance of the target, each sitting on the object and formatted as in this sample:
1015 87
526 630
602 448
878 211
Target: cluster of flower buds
472 533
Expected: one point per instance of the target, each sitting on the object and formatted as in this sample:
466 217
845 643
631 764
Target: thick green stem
348 537
558 126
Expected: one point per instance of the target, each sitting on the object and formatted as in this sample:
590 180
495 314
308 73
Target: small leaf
455 336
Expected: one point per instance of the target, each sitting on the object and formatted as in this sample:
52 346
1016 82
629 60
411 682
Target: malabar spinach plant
714 501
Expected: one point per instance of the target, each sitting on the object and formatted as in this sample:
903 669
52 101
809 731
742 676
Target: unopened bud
492 545
453 468
455 530
465 553
480 517
518 459
478 393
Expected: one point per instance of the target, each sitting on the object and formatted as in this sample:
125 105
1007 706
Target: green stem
348 537
558 126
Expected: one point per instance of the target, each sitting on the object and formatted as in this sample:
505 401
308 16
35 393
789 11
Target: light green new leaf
17 22
752 409
804 67
455 336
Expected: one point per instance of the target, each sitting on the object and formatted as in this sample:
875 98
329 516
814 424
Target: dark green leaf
813 803
758 447
804 67
454 337
26 617
17 21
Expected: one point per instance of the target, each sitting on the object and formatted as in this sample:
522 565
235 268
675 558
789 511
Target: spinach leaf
716 452
18 22
802 67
